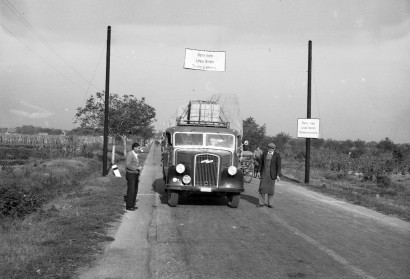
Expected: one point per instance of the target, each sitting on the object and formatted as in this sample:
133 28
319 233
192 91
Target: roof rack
203 114
182 122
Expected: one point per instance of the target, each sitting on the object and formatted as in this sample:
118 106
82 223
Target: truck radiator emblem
207 161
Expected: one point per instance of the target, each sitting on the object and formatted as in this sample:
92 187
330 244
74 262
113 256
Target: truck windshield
211 140
220 140
189 139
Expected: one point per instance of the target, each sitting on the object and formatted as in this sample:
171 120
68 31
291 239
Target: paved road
305 235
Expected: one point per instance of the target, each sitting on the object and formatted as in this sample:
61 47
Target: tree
358 149
281 140
386 145
127 115
253 132
83 132
318 143
27 130
147 133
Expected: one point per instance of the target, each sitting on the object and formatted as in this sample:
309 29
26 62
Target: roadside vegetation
55 208
372 174
56 211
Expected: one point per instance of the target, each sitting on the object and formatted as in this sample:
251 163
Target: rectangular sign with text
308 128
204 60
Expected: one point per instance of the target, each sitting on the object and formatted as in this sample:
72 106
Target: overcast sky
52 58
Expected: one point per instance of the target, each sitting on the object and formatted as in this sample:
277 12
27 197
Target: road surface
305 235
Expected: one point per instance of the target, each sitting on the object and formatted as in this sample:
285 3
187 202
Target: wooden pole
309 97
107 100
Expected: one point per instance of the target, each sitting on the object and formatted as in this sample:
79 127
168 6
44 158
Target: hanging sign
204 60
308 128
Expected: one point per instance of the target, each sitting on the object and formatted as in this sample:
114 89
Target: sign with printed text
204 60
308 128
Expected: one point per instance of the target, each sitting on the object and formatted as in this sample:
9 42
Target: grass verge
390 195
69 229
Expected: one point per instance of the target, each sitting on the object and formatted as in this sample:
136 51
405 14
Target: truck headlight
232 170
180 168
186 179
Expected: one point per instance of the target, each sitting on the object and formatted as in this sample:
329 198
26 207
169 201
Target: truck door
167 152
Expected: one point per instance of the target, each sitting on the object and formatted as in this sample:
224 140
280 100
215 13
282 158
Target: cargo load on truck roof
221 110
203 113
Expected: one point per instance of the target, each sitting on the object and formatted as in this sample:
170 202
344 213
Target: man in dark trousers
269 171
133 169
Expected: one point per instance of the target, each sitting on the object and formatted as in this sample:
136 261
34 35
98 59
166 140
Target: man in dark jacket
269 171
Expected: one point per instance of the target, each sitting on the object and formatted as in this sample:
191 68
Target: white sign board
204 60
308 128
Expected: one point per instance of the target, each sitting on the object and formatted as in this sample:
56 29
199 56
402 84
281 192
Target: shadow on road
201 200
159 187
251 199
194 199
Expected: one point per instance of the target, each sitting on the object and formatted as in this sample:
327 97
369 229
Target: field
55 214
18 149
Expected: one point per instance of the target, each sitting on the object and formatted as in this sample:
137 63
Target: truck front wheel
233 200
173 197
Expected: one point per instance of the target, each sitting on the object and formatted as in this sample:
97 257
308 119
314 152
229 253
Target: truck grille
206 170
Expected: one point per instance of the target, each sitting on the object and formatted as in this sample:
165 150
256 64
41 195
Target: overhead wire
143 60
37 34
95 70
227 71
23 20
41 58
268 49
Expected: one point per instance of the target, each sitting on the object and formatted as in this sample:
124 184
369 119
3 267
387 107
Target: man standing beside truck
133 169
269 170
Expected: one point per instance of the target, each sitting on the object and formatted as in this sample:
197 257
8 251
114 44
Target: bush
383 181
17 202
27 188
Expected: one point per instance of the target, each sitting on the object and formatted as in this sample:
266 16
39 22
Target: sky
53 58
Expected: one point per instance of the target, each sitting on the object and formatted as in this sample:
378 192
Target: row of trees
128 116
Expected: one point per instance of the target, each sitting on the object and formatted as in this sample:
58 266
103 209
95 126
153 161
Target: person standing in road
269 171
257 154
133 169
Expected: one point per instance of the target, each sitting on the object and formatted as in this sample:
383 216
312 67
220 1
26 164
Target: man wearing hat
269 171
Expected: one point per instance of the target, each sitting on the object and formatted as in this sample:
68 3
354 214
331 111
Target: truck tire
233 200
173 197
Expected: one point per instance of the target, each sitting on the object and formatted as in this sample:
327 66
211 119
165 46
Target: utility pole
107 100
309 97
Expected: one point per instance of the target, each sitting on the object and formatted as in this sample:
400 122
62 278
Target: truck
200 155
